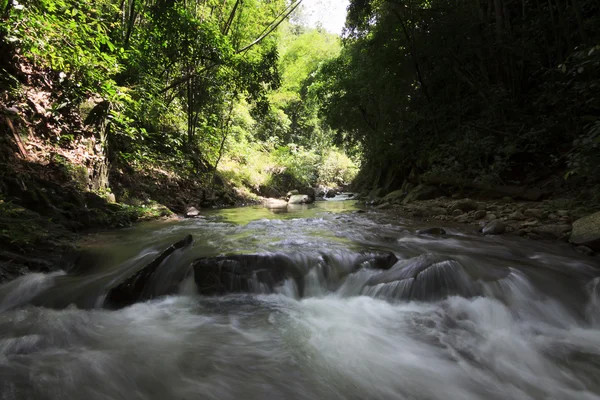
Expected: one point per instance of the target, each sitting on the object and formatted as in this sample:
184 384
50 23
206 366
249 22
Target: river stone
438 211
517 216
432 231
490 217
422 192
191 212
275 203
394 197
465 205
495 227
300 199
586 232
292 192
457 213
429 277
534 213
479 214
330 194
554 231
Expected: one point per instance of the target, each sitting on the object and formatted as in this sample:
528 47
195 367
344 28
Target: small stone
490 217
462 218
479 214
191 212
562 213
517 216
292 192
465 205
535 213
439 211
456 213
529 224
495 227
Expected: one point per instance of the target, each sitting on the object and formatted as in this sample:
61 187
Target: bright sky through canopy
330 13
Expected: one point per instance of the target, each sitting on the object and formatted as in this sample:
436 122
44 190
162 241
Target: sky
330 13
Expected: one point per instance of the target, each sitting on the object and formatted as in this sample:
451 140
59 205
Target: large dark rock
586 232
134 288
429 277
263 272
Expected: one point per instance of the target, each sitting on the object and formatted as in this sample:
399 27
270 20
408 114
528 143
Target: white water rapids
532 334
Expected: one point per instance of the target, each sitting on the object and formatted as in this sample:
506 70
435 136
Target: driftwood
516 192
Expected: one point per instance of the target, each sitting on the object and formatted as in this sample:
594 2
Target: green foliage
450 88
69 37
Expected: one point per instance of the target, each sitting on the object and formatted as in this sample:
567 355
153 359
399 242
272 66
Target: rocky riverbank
552 219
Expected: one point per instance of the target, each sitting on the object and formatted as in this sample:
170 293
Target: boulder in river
263 272
136 287
292 192
275 203
428 277
300 199
586 232
191 212
331 194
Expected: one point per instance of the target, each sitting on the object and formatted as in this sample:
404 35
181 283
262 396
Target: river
521 319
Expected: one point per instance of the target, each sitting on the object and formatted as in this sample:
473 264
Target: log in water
457 317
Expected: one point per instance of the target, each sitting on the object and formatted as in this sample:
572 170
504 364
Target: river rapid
525 324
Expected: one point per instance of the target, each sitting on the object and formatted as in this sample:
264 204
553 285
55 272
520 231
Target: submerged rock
432 231
586 232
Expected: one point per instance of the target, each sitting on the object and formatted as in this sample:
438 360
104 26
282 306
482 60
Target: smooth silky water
527 326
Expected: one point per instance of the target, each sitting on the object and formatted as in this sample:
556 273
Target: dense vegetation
231 93
503 92
206 90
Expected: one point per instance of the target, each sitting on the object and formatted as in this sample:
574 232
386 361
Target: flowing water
518 319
